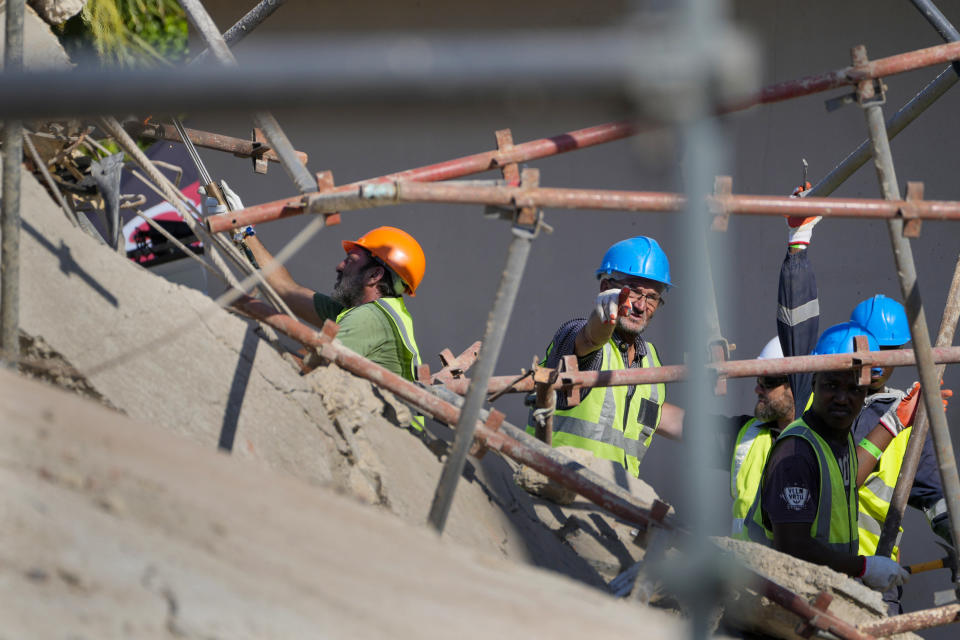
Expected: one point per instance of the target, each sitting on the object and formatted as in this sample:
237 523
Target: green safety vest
753 445
402 325
835 524
876 493
615 423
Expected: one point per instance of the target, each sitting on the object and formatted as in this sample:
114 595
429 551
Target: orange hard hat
398 250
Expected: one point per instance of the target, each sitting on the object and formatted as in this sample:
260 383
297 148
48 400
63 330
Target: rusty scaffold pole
380 194
229 144
948 326
566 380
913 621
870 97
10 214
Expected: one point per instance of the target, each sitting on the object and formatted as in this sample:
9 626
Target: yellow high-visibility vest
615 423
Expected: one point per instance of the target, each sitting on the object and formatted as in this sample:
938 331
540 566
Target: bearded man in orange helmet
367 298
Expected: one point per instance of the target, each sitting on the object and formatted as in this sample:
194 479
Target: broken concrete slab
852 601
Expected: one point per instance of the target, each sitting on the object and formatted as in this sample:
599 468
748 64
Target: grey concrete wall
465 253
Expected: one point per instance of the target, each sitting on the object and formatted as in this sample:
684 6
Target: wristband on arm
872 449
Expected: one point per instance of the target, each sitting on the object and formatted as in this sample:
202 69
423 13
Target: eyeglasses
770 382
636 295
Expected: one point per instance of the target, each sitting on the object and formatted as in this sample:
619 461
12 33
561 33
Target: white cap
771 350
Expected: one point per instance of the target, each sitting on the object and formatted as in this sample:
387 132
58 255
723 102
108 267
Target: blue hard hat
640 256
839 339
886 319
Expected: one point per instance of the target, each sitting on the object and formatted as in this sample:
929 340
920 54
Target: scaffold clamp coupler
325 184
816 623
722 188
720 352
260 146
871 92
494 419
909 213
860 345
569 388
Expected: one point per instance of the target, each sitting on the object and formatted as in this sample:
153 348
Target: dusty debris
203 536
852 601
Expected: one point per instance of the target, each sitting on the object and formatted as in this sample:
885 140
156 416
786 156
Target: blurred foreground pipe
10 213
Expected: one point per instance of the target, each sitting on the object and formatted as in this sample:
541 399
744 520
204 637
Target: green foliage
129 33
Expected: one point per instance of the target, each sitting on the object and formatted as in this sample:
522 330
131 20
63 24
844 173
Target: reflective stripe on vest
835 523
753 445
876 494
615 423
402 325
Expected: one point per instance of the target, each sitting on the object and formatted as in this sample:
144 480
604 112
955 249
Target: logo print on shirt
795 497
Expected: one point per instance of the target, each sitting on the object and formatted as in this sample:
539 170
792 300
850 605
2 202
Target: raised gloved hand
210 206
609 303
880 573
799 228
902 415
233 200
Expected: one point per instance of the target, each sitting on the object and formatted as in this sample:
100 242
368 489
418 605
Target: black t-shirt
791 481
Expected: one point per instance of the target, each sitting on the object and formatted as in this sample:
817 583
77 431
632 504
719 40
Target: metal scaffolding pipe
206 139
911 457
379 193
354 70
268 124
909 288
497 323
854 74
509 440
10 214
904 116
912 621
818 618
727 369
948 325
242 28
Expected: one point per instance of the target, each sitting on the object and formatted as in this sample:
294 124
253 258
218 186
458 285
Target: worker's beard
773 409
349 291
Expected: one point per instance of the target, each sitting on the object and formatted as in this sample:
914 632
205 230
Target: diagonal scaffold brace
525 225
870 95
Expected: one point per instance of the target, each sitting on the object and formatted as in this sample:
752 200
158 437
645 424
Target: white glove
608 305
233 200
890 418
210 206
882 574
800 230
